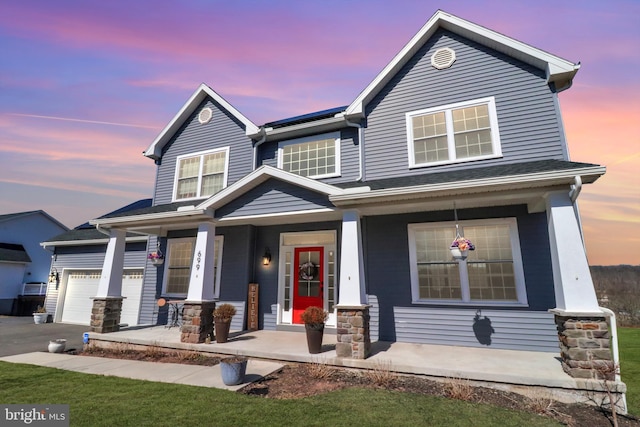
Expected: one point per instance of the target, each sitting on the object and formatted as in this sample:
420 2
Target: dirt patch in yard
298 380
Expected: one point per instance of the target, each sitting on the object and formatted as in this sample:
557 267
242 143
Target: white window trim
200 154
518 270
447 109
216 285
331 135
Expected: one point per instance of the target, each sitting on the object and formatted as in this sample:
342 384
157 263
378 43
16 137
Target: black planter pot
222 330
314 337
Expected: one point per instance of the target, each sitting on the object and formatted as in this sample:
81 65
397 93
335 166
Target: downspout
360 147
573 195
614 350
255 147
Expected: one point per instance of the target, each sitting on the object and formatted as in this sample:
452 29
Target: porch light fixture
266 258
54 277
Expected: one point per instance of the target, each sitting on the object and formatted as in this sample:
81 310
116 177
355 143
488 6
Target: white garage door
83 285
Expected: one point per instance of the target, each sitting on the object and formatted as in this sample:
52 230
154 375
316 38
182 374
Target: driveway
20 335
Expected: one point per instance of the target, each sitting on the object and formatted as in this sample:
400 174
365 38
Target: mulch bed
297 380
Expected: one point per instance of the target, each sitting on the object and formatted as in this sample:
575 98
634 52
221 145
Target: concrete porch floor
530 373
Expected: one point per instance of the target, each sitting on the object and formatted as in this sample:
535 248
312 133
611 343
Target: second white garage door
83 285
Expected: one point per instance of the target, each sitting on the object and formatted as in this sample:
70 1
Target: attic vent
205 115
443 58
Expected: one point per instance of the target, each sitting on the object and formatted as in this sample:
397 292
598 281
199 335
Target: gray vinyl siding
389 286
90 258
349 156
529 123
273 197
222 131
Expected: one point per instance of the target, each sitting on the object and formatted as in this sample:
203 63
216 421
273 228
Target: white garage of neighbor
82 286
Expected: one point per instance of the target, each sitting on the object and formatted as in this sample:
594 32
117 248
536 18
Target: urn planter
39 318
457 254
57 346
222 328
233 370
315 333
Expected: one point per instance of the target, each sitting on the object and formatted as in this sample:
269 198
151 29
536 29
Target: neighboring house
24 265
353 209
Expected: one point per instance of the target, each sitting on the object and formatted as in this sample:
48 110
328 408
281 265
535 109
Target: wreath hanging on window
307 271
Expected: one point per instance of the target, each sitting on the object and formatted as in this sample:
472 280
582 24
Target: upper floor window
453 133
491 275
317 156
201 174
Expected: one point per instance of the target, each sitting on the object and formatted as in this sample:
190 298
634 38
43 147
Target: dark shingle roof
10 252
318 115
469 174
87 231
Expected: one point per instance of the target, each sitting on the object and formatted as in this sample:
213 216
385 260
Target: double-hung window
491 275
316 156
201 174
453 133
178 266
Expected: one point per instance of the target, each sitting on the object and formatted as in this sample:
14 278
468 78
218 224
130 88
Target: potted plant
156 258
40 315
233 370
314 318
222 321
460 248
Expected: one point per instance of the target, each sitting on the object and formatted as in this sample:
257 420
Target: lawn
629 342
110 401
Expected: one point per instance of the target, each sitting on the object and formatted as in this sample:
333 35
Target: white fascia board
474 186
556 67
260 175
155 217
155 149
317 126
90 241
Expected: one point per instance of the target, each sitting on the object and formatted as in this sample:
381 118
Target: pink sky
85 87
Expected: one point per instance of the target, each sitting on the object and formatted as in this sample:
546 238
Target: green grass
110 401
629 342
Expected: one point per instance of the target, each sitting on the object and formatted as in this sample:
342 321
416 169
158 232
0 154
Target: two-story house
354 209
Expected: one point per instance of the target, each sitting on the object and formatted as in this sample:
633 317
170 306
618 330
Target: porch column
582 327
571 276
107 304
197 318
353 336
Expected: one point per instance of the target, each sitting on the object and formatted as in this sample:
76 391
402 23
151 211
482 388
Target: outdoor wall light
54 277
266 258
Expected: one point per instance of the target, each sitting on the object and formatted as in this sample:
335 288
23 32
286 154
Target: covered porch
531 373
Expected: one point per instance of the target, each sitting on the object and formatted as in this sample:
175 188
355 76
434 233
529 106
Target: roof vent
205 115
443 58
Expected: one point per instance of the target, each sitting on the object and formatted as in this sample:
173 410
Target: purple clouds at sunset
86 87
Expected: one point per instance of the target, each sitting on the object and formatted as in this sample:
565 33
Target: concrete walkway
202 376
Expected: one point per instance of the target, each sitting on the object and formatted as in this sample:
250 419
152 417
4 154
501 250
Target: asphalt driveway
20 335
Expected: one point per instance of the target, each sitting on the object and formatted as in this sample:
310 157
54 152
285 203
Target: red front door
307 282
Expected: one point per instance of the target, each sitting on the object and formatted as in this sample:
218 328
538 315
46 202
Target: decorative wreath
307 271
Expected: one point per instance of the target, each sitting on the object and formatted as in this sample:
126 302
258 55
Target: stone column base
584 346
197 321
105 314
353 336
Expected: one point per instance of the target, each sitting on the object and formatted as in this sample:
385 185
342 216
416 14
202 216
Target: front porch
525 372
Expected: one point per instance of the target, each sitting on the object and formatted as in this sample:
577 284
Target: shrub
224 312
314 315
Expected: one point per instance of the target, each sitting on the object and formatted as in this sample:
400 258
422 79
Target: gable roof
558 70
10 252
155 149
17 215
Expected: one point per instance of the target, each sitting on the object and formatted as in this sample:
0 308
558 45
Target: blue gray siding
273 196
349 153
222 131
530 128
89 257
388 280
